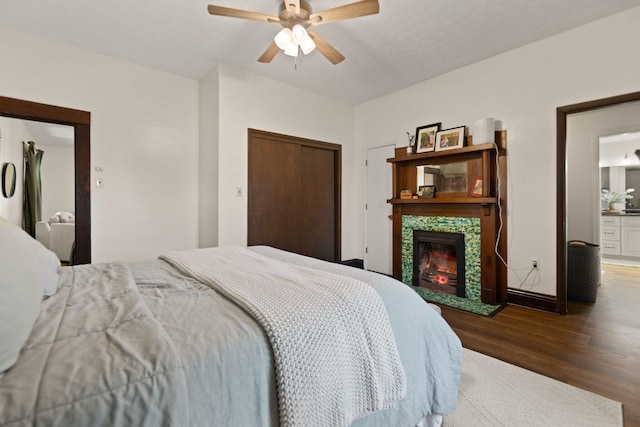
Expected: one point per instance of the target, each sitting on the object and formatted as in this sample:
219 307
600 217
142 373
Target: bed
147 343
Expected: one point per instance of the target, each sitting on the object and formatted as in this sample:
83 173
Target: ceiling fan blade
270 53
238 13
353 10
326 49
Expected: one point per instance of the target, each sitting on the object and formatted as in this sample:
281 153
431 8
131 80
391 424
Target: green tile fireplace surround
470 227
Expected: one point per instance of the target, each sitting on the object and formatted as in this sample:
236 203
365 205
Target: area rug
494 393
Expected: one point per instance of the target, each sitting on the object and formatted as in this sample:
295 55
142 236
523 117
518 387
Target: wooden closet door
316 216
294 195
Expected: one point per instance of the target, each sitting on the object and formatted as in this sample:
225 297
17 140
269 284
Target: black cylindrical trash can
583 271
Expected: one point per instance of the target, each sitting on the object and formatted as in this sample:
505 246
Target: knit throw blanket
334 351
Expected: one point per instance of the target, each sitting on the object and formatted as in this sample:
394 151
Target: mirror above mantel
446 178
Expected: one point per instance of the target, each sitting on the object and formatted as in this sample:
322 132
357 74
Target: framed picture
450 139
426 191
476 188
426 138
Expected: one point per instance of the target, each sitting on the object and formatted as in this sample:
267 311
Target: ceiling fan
296 16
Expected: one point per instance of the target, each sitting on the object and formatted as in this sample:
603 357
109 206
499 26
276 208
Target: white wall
144 134
208 157
622 153
58 179
522 88
249 101
12 133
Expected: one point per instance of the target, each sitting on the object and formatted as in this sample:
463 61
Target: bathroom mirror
8 180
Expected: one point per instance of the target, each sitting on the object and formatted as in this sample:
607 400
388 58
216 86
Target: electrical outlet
535 264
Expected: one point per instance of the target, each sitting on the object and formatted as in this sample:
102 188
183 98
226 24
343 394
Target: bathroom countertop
634 213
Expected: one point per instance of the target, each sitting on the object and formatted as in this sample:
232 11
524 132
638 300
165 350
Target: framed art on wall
426 138
450 139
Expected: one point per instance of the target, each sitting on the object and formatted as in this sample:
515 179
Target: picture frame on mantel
426 138
476 187
426 191
450 139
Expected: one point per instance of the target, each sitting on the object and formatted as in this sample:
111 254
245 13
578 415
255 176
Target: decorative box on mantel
465 204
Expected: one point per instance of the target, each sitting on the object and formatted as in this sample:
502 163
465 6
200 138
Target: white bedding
334 352
169 350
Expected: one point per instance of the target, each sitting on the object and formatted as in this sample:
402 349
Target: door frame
81 122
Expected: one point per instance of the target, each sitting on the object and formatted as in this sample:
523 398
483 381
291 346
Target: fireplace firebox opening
438 262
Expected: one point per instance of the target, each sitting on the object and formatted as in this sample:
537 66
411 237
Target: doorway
619 171
562 165
378 225
294 194
81 123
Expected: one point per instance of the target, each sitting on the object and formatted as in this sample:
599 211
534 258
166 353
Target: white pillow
63 217
27 271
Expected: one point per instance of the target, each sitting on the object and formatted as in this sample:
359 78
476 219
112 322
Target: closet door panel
273 208
317 221
294 194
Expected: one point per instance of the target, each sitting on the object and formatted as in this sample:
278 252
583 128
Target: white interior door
378 225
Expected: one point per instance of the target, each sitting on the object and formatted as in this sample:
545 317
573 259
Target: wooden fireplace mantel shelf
402 157
468 200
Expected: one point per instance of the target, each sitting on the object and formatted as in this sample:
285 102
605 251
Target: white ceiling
47 134
409 41
619 150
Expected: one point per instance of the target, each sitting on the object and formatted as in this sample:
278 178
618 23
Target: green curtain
32 203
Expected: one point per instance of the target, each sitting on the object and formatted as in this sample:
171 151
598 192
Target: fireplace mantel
481 161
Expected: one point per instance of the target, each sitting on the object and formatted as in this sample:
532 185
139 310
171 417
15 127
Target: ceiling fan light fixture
295 16
291 50
307 45
284 39
299 33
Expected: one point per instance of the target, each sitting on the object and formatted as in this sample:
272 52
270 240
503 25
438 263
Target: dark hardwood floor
595 347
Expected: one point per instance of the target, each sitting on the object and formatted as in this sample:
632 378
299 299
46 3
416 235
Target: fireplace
438 262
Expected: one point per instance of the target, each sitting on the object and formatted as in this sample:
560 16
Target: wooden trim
561 173
501 195
561 222
82 138
402 156
531 300
81 122
295 140
338 200
445 200
20 109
